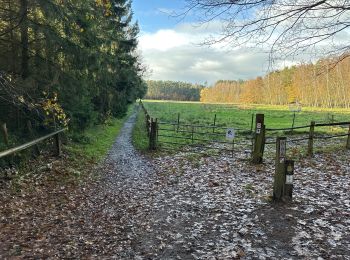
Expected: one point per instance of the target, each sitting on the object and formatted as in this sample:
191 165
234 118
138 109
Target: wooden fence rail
22 147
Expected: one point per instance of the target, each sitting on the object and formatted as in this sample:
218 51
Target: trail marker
230 134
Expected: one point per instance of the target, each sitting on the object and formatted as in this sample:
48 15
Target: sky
171 48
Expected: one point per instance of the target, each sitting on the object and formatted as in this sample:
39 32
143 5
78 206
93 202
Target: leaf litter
173 207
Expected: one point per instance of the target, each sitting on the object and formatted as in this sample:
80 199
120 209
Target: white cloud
194 64
162 40
176 54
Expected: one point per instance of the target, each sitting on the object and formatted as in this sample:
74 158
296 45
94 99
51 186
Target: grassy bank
95 142
139 134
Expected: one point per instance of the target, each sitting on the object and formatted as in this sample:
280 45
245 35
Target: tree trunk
24 39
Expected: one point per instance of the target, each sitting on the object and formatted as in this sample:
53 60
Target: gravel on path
184 206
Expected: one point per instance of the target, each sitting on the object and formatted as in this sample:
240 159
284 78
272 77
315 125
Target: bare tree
288 27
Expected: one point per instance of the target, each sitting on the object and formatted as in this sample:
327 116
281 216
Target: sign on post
279 178
258 128
259 140
284 170
230 134
288 187
289 179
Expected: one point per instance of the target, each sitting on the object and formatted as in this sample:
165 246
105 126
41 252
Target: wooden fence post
153 135
214 123
192 134
348 141
279 178
259 144
310 148
148 124
5 133
288 184
58 145
178 122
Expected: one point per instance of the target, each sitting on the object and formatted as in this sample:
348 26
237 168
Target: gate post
148 124
279 178
288 185
259 143
58 145
153 135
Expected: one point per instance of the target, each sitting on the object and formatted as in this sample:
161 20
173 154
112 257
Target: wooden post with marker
279 178
288 184
259 144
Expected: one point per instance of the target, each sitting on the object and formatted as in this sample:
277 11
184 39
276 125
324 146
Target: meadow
240 116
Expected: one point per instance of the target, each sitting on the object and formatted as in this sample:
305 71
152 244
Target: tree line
322 84
173 90
67 62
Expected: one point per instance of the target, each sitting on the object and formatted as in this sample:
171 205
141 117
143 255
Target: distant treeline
323 84
173 90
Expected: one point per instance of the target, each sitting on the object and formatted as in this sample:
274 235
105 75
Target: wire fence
175 135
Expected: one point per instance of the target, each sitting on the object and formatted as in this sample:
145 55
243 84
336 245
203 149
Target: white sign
289 179
258 128
230 134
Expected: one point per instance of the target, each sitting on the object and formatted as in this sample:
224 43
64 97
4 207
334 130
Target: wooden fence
199 135
284 168
57 144
170 135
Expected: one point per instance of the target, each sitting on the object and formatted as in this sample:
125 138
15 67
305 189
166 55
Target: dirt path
184 206
102 219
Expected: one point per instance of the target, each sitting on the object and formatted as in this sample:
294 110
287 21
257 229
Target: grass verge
139 134
97 140
76 165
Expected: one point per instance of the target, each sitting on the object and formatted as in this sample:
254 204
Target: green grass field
237 117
